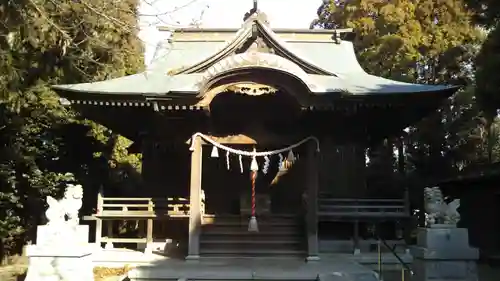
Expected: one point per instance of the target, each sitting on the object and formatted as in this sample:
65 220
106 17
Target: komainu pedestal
62 251
53 264
443 253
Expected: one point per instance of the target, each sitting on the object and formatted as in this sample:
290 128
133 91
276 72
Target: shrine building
253 141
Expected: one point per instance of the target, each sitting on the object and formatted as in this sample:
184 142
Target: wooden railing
121 207
137 209
330 209
362 210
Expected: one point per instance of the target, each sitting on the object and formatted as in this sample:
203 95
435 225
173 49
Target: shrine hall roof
323 60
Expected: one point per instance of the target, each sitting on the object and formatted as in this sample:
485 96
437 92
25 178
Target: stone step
238 252
246 219
249 236
241 247
228 236
259 221
265 229
251 240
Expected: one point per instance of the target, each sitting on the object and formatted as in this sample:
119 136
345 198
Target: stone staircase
228 236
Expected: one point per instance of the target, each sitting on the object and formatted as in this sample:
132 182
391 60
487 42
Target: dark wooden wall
342 170
479 211
166 172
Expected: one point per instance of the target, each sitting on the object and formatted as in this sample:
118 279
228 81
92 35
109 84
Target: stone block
443 253
80 234
436 238
444 270
59 264
347 276
444 244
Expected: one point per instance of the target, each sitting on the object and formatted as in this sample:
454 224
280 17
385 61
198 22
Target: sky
217 13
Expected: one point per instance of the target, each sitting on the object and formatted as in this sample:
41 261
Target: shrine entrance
227 185
255 203
257 168
263 116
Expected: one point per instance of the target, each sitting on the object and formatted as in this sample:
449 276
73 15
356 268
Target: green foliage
487 63
423 41
418 41
52 42
487 12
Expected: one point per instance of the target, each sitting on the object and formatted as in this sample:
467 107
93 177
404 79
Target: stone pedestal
61 254
80 234
443 253
74 264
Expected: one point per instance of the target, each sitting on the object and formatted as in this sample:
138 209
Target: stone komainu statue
65 211
437 210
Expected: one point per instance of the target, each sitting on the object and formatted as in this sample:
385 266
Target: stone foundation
61 254
443 253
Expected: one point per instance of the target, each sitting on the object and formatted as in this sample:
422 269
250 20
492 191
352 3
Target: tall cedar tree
487 65
44 43
422 41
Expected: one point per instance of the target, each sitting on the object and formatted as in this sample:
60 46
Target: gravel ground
14 272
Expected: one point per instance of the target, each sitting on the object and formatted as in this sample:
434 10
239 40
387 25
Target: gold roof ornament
251 89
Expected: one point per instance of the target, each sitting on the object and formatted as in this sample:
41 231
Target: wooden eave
343 103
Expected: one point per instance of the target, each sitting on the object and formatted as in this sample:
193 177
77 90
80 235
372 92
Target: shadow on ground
486 273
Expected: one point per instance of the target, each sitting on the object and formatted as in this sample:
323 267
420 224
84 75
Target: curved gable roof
183 63
251 30
257 60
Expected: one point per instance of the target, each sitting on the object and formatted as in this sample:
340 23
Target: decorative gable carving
254 37
258 45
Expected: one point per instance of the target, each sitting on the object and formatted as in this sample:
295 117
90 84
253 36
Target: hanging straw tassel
252 225
281 164
215 152
291 157
241 163
254 166
266 165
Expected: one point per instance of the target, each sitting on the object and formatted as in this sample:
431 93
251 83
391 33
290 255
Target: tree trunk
490 118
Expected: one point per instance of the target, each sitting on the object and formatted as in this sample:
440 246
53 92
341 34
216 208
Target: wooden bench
136 209
361 210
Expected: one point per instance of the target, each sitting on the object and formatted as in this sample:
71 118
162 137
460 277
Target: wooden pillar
357 249
195 201
98 221
407 226
149 230
312 202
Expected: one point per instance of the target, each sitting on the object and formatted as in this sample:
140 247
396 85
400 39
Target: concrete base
149 250
73 264
312 258
192 258
109 246
443 253
254 268
79 234
445 270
